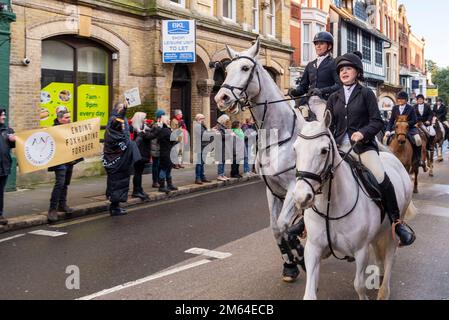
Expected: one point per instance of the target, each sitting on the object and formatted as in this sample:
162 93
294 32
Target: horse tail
411 212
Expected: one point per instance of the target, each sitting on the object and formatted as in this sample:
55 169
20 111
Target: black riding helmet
420 96
350 60
324 36
402 95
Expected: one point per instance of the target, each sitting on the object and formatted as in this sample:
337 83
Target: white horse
352 235
248 82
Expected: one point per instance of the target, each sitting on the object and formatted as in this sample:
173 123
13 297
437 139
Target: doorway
181 93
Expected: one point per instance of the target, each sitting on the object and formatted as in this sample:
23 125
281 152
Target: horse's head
314 157
401 129
242 81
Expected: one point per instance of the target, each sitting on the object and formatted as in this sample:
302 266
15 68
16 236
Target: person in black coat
143 136
402 109
355 121
424 117
440 111
63 175
320 78
7 142
119 156
166 164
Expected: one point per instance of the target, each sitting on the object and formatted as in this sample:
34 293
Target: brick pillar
205 88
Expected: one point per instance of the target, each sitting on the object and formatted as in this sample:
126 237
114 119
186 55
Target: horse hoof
415 191
288 279
290 273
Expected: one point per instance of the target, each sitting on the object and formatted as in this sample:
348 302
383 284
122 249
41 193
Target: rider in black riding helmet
319 77
356 119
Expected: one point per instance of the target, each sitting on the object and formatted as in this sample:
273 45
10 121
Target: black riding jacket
324 77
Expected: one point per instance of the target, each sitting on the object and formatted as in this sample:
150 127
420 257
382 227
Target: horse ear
254 50
327 119
232 53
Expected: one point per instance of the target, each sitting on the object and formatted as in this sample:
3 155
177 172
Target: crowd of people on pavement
132 146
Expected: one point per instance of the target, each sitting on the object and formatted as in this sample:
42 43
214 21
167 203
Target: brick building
86 54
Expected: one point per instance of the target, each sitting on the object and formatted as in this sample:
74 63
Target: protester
155 148
7 142
199 129
222 129
63 175
166 164
143 136
250 132
237 150
119 156
178 125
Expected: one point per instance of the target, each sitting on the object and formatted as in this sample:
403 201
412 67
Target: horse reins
327 174
244 103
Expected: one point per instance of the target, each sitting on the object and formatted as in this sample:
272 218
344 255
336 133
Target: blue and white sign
178 41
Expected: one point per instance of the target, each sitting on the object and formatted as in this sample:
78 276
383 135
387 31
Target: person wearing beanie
356 121
119 156
7 142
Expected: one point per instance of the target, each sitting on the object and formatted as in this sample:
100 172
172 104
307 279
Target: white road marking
47 233
147 279
13 237
209 253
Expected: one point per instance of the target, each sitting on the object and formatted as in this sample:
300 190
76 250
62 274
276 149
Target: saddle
366 180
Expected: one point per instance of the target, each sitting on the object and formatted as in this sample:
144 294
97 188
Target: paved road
148 246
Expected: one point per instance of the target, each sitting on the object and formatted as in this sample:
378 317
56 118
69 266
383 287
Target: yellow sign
431 93
43 148
56 94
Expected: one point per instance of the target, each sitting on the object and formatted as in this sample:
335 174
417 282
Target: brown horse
425 142
402 148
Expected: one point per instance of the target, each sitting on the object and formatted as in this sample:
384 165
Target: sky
429 19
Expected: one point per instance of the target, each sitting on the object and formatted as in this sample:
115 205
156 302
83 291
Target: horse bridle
328 169
243 101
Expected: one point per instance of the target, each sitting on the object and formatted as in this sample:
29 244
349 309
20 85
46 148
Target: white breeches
371 160
418 140
430 130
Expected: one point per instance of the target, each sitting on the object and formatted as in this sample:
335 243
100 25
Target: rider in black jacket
319 77
356 119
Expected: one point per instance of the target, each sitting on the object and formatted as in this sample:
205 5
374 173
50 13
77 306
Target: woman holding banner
119 156
7 142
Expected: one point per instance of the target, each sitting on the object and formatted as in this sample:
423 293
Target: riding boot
405 234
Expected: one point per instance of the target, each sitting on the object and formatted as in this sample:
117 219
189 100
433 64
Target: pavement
28 207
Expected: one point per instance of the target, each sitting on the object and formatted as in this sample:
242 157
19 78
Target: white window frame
256 16
304 43
178 3
233 17
272 13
